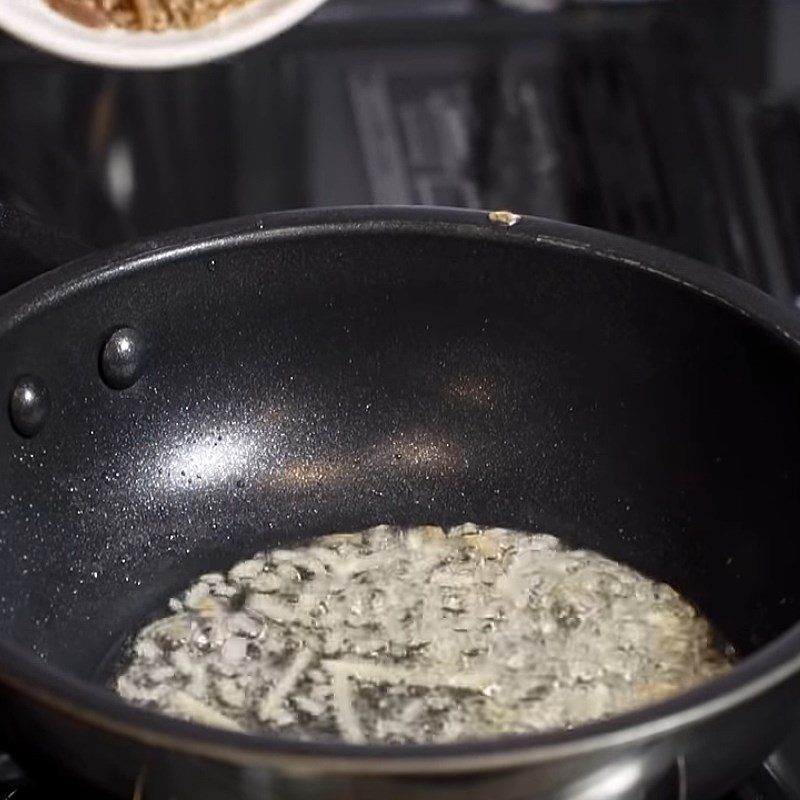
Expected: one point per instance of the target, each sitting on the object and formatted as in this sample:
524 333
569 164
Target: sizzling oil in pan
419 635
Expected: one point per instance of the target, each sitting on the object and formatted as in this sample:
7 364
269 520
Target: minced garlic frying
419 635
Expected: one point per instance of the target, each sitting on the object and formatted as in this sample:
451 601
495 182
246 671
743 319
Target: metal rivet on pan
29 405
506 218
122 358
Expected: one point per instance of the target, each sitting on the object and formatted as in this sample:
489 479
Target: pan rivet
122 358
29 405
506 218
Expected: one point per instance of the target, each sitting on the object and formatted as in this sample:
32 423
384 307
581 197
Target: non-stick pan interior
333 380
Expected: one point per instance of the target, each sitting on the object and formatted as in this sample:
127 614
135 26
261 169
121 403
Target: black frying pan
312 372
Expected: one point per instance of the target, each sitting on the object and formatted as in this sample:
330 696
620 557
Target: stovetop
667 121
673 122
767 783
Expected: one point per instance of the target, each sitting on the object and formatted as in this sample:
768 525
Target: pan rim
769 667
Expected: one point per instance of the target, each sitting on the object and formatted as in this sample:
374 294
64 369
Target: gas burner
764 785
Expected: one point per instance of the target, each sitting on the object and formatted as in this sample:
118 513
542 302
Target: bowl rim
773 665
122 49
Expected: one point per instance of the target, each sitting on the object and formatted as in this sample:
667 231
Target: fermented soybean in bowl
419 635
145 15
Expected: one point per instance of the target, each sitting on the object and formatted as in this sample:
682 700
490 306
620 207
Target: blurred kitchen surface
674 122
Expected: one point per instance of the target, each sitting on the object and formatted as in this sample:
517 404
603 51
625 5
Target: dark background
675 122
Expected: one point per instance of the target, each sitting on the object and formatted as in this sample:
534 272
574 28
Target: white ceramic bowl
35 22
